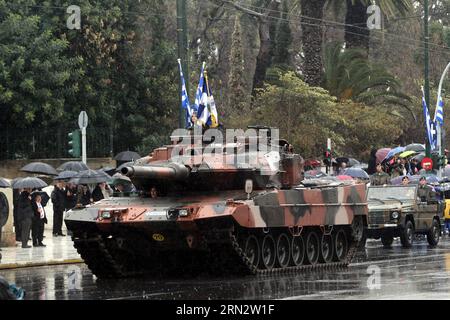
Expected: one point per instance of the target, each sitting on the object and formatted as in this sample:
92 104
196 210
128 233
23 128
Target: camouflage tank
220 217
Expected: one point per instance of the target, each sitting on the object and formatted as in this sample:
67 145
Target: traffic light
75 143
327 156
438 161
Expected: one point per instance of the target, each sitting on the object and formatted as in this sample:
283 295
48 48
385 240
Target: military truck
397 211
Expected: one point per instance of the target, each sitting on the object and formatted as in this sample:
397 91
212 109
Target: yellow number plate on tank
158 237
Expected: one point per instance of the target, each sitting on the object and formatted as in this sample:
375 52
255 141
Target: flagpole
182 50
426 68
439 129
207 88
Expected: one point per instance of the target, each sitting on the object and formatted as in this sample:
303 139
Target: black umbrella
73 166
48 180
4 183
40 167
342 159
90 177
127 156
419 157
66 175
356 173
109 170
44 196
29 182
417 147
119 168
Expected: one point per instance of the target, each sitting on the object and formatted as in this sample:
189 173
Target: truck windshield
389 193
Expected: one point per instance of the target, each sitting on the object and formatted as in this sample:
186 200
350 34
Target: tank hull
226 232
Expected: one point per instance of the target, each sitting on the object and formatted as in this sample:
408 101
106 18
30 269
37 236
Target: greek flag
184 98
431 125
203 111
207 110
439 114
199 93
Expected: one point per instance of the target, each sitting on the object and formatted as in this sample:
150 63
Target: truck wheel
362 243
434 233
387 240
407 235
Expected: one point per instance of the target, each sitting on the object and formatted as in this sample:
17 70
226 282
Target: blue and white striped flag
199 93
439 113
203 109
431 125
184 98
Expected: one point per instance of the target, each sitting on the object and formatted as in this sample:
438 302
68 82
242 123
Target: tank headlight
106 215
183 212
395 215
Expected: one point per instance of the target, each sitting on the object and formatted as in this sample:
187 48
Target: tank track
224 257
99 258
238 263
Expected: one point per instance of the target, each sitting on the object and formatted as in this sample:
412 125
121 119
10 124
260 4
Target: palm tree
356 31
348 75
312 40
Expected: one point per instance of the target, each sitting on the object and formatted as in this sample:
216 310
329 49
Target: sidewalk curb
39 264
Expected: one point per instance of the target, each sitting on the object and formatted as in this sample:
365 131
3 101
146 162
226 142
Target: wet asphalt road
376 273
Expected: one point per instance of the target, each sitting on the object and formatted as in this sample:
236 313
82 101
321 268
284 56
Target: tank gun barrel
170 171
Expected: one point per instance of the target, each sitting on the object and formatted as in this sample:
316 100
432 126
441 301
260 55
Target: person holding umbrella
39 219
25 215
84 196
71 195
59 202
101 191
341 169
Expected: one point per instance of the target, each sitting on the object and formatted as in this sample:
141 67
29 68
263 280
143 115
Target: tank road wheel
434 233
297 251
407 236
340 245
387 240
312 247
357 228
252 250
283 250
326 249
268 252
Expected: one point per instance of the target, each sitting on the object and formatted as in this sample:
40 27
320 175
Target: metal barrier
35 143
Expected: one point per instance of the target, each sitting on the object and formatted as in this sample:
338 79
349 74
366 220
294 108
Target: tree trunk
265 50
356 31
312 40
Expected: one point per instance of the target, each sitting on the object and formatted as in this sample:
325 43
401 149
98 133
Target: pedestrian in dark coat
372 165
17 222
71 196
39 219
59 203
25 215
97 194
84 196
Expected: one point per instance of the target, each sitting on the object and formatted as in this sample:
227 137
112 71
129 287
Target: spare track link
235 261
